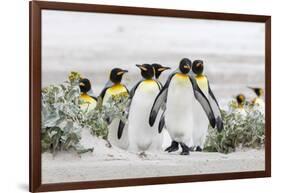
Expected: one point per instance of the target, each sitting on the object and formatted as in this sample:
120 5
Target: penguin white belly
88 107
179 109
259 105
200 125
139 131
89 103
112 134
200 120
113 126
166 139
157 139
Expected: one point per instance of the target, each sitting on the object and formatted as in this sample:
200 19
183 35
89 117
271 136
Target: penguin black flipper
121 123
162 119
108 85
133 90
161 123
94 97
120 129
160 101
103 92
202 99
216 108
127 90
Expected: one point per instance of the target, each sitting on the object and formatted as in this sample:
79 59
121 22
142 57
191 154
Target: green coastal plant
99 119
243 128
62 119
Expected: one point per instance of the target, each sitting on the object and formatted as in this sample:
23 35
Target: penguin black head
240 99
116 75
84 85
158 68
147 70
258 91
185 65
197 67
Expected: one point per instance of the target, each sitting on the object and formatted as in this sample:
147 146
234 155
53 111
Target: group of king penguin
257 101
184 106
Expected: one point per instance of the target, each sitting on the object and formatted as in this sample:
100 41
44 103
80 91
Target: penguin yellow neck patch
240 106
149 81
257 100
85 97
117 89
182 76
200 76
181 79
202 82
148 85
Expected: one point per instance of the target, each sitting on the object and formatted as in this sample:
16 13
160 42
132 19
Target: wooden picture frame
36 8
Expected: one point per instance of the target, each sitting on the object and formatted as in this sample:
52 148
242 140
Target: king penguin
90 101
200 123
158 139
114 87
258 99
158 69
239 109
177 96
240 99
143 94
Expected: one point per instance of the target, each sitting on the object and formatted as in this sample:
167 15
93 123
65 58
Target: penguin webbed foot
142 154
173 147
108 144
192 148
199 149
185 149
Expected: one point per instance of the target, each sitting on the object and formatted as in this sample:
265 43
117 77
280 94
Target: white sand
113 163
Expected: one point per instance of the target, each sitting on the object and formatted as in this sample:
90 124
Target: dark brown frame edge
35 8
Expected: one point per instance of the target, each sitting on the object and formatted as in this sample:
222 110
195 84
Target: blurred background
93 44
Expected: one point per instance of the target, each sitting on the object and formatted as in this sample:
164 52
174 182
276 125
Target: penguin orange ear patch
143 68
161 69
120 73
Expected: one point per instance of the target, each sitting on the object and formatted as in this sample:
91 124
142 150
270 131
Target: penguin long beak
141 67
251 88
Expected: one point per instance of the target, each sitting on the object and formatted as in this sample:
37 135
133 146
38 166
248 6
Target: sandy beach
114 163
